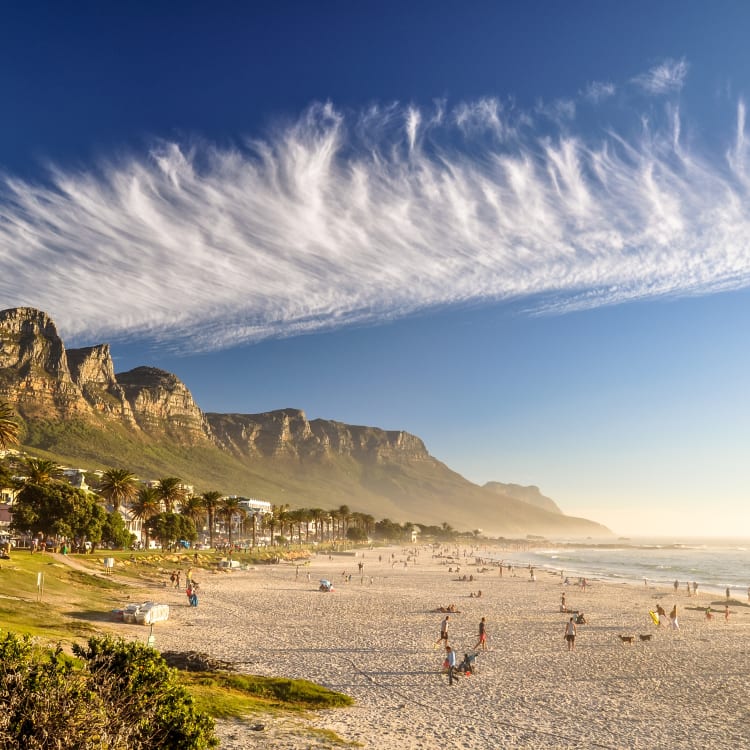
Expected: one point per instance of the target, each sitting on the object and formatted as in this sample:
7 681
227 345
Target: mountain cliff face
530 495
93 371
163 406
34 373
288 434
147 420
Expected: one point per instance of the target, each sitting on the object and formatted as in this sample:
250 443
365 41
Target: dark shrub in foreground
120 696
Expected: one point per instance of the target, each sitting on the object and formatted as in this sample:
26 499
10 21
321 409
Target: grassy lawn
74 604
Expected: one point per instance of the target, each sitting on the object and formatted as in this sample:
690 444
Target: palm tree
278 516
297 517
119 486
317 515
285 517
192 507
9 427
211 504
145 506
41 470
306 517
169 490
345 515
368 522
229 508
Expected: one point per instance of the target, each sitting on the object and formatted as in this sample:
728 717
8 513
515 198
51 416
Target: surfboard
654 617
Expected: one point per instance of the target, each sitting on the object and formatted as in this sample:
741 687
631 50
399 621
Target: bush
119 696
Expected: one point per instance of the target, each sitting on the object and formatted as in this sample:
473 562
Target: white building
251 505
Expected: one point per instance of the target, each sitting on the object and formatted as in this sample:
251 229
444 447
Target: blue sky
519 231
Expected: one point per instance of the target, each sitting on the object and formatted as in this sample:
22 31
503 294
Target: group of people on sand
450 665
191 585
710 614
661 615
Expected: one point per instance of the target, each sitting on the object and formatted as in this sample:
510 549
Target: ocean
713 564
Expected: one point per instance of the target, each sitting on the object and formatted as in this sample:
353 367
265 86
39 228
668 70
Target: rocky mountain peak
33 366
93 371
162 404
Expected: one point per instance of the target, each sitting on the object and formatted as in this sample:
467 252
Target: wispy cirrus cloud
597 91
664 78
340 219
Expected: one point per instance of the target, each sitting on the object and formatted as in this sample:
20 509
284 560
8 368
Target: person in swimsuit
570 634
482 635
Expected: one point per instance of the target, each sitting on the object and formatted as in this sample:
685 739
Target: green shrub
118 696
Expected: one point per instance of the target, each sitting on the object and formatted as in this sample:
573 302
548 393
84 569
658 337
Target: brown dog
626 638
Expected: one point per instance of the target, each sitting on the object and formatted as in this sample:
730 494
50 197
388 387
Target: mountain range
77 410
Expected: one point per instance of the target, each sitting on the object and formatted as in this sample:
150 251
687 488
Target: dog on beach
626 638
646 637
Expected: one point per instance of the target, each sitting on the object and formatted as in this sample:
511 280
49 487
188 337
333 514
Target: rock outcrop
287 433
34 373
162 405
93 371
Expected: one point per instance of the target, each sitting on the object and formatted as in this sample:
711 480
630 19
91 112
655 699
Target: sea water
713 564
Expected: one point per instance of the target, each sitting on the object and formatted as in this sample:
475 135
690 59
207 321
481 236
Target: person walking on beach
673 618
570 634
661 613
443 631
727 593
482 635
450 662
676 585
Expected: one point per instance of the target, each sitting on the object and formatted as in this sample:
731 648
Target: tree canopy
58 510
169 528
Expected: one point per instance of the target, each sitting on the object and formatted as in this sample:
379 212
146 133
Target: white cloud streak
597 91
341 219
667 77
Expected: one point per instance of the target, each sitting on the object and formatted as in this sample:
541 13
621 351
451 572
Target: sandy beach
374 638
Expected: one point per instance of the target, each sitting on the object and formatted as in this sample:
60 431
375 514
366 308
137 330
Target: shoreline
374 640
